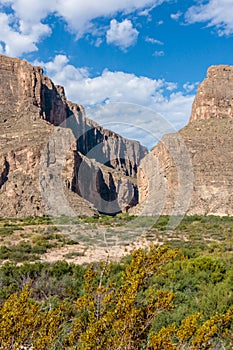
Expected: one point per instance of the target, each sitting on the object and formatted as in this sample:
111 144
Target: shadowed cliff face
109 190
31 107
192 171
24 88
5 168
104 146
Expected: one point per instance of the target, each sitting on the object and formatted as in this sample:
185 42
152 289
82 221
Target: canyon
53 159
56 161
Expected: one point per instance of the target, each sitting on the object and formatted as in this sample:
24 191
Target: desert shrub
9 230
61 279
137 310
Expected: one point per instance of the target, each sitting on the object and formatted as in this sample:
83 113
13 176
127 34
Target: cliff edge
191 172
47 142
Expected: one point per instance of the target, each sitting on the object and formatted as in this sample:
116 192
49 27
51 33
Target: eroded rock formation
192 171
214 98
43 136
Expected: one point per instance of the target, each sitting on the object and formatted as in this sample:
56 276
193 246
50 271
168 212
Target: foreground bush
116 313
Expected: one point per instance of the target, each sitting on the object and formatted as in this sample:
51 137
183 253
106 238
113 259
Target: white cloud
176 108
131 121
98 42
31 11
159 53
27 16
122 34
147 11
217 13
120 88
20 40
79 14
60 62
171 86
113 86
176 15
153 41
188 87
65 74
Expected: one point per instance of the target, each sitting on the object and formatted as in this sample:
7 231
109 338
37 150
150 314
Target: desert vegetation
177 294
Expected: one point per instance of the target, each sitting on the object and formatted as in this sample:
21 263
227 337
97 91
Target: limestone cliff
214 98
192 171
42 135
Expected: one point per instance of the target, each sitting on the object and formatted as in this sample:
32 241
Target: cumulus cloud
24 27
65 74
122 34
59 63
112 86
217 13
176 108
121 88
30 11
80 14
20 40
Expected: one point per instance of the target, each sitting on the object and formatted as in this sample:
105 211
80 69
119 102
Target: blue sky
134 64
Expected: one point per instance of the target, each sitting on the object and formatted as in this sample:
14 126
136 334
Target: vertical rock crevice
31 108
4 171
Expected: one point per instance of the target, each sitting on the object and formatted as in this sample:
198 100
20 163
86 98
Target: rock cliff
214 98
192 171
44 136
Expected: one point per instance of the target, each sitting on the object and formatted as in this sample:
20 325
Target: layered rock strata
41 134
191 172
214 98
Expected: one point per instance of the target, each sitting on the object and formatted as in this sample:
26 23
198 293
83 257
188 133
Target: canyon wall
41 134
55 160
214 98
191 172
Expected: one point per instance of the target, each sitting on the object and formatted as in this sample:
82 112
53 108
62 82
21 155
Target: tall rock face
191 172
214 98
25 88
43 137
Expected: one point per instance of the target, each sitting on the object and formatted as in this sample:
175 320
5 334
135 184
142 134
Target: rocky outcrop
25 88
192 171
214 98
41 135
